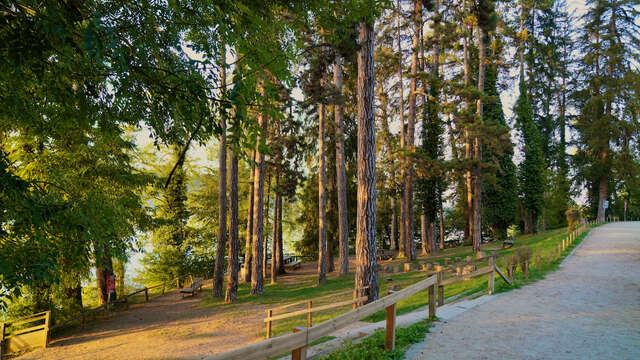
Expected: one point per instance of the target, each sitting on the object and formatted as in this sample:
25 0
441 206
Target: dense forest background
151 140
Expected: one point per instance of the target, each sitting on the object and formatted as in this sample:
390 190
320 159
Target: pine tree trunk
423 233
410 252
234 243
281 269
249 234
341 179
322 198
477 196
366 268
431 237
468 150
265 240
257 280
103 271
274 237
403 136
441 215
394 225
218 272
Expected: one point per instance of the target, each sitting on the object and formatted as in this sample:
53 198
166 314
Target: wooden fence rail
299 340
14 339
124 299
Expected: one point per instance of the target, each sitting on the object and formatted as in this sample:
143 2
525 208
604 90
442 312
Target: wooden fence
298 341
124 299
25 333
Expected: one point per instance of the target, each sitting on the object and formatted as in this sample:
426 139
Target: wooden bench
196 285
384 254
292 265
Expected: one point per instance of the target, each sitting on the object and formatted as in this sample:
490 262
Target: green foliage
531 172
500 186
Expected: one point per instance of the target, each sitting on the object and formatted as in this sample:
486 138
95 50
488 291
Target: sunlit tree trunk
477 184
234 243
104 269
403 238
218 272
265 240
322 196
366 272
249 234
341 179
274 236
281 269
257 280
394 225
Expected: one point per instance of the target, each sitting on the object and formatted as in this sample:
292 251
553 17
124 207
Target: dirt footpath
588 309
167 327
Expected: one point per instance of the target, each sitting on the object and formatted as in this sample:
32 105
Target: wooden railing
298 341
124 299
310 309
15 336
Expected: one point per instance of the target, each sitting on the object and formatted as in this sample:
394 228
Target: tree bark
408 168
249 234
394 225
281 269
403 238
341 179
103 271
441 215
274 237
322 196
257 280
423 233
234 244
218 272
366 268
468 151
477 196
265 241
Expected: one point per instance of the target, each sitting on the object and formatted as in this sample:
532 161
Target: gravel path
588 309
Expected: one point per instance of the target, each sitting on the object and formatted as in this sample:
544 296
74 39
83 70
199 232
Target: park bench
291 263
384 254
196 285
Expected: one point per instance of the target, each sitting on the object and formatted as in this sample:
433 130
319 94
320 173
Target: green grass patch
305 287
372 347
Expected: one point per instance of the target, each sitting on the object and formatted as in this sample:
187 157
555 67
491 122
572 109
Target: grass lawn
304 287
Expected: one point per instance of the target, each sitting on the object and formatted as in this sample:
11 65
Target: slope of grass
304 287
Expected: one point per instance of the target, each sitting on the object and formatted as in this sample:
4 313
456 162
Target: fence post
559 251
269 314
407 267
146 294
390 338
47 325
526 269
309 305
440 288
355 296
177 283
492 274
299 353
